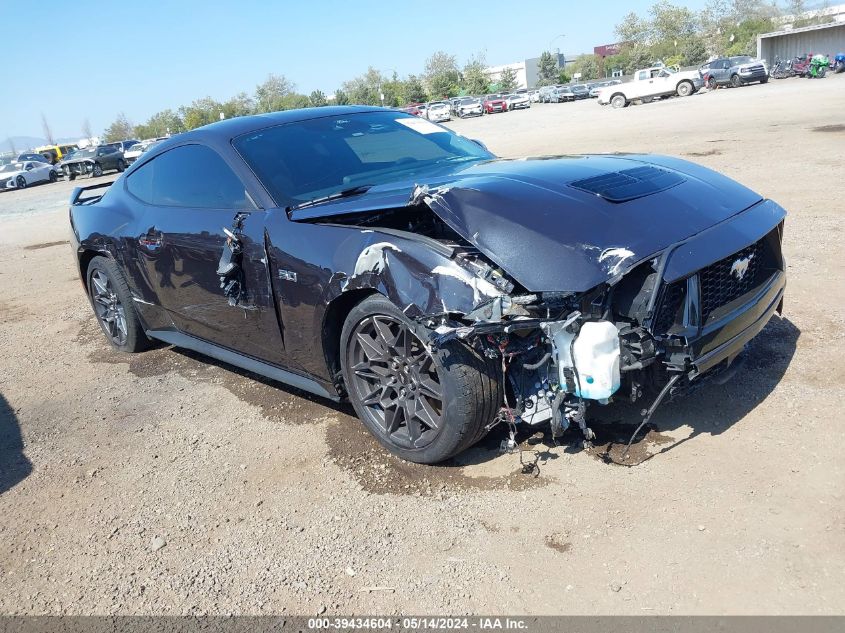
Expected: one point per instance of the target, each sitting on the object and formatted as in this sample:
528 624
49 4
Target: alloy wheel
97 170
20 181
395 379
108 308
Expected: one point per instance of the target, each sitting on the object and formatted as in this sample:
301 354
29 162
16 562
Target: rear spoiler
77 199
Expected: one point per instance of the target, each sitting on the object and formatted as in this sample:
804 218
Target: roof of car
230 128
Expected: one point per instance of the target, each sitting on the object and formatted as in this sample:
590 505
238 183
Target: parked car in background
597 87
534 96
121 146
39 158
93 161
20 175
134 151
561 94
580 91
652 83
56 153
494 103
733 71
518 101
469 106
438 111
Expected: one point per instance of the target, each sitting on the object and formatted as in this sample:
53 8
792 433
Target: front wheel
121 165
113 306
53 175
422 406
736 81
20 182
618 101
97 170
685 89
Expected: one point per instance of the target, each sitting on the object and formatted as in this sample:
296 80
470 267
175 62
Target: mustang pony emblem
740 267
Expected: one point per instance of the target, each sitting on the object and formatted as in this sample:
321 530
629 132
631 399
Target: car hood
7 175
567 223
71 161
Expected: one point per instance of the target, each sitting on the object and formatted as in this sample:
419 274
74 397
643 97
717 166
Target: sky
86 59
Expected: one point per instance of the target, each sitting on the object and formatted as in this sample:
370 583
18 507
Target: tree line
668 32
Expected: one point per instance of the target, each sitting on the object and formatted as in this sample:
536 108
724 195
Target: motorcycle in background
839 63
818 66
781 69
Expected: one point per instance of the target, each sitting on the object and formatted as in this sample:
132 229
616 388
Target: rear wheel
53 175
764 80
113 306
736 81
618 101
120 165
422 406
711 83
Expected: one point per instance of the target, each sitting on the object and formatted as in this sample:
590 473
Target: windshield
83 153
12 167
300 161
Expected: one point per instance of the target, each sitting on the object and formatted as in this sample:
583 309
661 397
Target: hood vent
629 184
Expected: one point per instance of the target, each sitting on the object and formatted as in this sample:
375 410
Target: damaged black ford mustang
367 254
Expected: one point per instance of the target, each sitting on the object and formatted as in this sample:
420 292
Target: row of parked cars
50 163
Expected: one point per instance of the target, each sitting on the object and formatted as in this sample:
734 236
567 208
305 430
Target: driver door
189 197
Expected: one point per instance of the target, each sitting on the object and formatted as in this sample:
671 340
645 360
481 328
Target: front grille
730 278
670 304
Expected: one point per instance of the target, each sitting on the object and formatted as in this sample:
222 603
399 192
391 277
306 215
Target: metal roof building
828 39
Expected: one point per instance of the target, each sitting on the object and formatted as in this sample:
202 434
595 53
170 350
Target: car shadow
711 409
14 466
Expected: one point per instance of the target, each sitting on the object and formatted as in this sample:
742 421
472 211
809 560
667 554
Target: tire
71 176
97 170
20 182
736 81
685 89
53 175
121 165
764 80
448 397
618 100
711 83
113 306
822 72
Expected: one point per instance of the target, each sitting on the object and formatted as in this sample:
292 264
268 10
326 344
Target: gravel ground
164 484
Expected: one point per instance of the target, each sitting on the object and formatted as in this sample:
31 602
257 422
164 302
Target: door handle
152 239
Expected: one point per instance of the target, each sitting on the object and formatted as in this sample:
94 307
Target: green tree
317 99
547 69
340 97
442 77
160 124
562 77
587 65
270 94
475 80
413 90
119 130
507 80
239 105
201 112
365 89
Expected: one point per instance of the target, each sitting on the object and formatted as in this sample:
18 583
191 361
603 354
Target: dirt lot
163 484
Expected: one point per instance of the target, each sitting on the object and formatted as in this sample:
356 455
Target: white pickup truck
652 83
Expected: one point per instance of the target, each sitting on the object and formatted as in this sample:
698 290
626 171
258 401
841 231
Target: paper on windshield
420 125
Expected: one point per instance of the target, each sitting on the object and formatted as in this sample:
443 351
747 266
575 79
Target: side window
191 176
643 74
